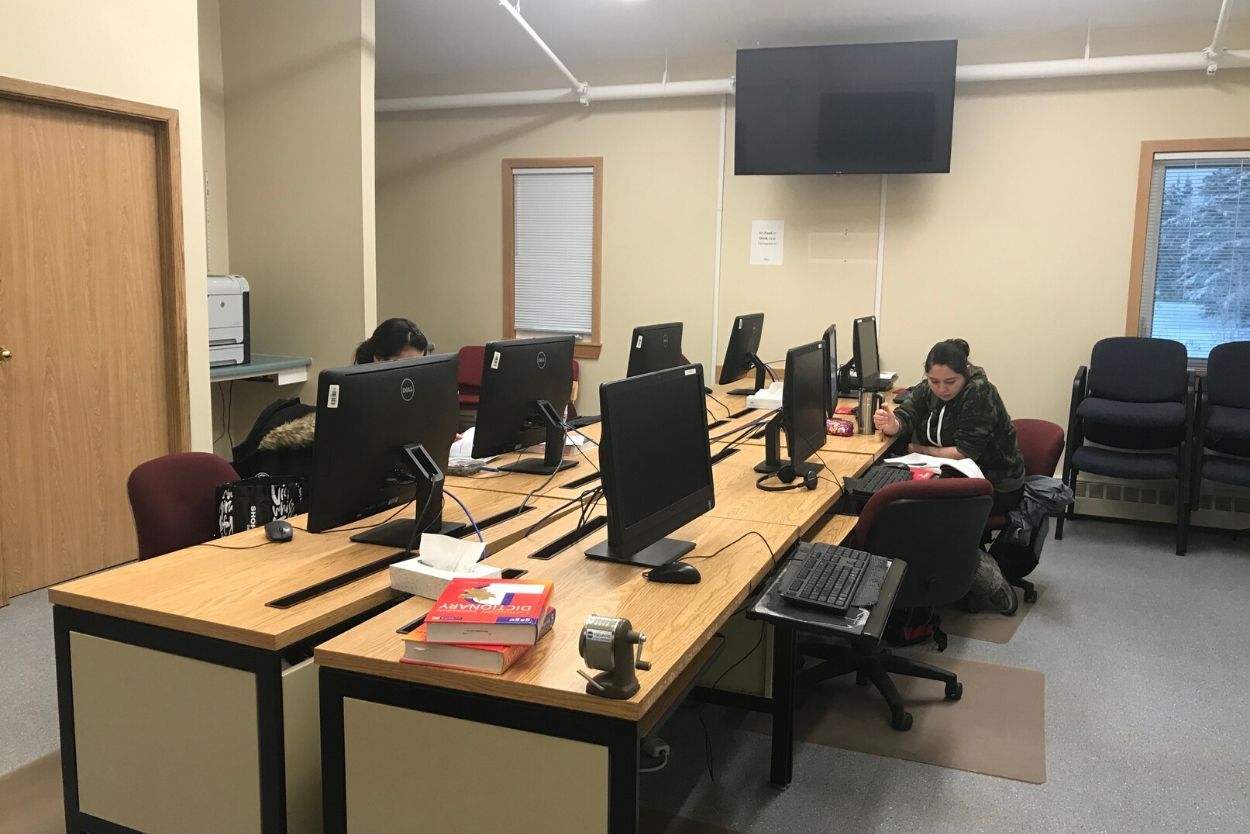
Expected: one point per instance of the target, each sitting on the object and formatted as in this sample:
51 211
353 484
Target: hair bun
962 345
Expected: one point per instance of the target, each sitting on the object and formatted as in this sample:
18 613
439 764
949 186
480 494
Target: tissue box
414 577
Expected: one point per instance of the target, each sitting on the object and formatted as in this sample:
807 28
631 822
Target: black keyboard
833 578
876 478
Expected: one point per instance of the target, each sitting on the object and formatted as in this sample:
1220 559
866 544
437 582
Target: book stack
484 625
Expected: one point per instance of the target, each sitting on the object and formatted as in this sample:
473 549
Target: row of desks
180 686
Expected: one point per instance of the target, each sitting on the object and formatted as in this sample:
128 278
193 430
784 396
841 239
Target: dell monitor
867 360
802 416
831 370
382 439
741 354
526 385
656 463
655 347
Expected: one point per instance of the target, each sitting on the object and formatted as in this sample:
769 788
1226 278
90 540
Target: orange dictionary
479 657
505 612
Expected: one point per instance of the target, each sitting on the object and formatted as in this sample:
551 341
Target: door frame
169 214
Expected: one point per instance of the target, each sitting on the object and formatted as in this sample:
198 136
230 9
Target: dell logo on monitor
542 360
407 390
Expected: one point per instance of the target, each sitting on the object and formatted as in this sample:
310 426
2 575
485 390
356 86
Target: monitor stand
772 462
760 369
651 556
553 459
399 533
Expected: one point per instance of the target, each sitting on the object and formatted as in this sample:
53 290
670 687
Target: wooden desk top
678 620
222 593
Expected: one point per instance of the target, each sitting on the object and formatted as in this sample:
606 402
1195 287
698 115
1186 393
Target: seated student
956 413
393 339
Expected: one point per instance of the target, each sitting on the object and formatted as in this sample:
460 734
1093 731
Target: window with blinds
552 252
1195 283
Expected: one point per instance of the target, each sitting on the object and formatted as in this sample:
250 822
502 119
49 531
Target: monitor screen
831 369
744 344
655 461
880 108
867 359
516 375
803 401
655 347
366 414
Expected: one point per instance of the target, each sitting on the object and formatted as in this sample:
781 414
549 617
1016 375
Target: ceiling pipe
1017 71
1212 52
578 87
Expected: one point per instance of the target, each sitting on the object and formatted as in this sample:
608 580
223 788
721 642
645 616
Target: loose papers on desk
966 466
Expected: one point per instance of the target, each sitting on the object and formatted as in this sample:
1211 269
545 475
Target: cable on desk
244 547
472 520
371 526
542 520
771 553
744 429
526 500
712 397
834 479
582 452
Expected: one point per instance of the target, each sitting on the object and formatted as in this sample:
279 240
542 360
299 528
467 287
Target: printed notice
767 242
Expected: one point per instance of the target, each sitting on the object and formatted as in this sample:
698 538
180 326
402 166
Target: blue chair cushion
1226 470
1146 467
1132 415
1227 421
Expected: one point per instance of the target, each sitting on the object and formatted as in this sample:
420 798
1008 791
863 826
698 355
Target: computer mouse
278 531
677 572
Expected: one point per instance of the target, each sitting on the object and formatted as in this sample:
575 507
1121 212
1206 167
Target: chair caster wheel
955 692
1030 596
903 723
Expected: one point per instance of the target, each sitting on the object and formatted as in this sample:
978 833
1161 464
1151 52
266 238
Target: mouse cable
834 479
231 547
472 520
771 555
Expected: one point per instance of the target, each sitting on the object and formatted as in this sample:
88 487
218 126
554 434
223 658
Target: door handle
5 354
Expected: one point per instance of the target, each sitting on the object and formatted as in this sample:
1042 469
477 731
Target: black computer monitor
383 435
866 358
655 347
802 416
526 385
831 370
656 464
742 353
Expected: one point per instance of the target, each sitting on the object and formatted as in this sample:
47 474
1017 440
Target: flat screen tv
879 108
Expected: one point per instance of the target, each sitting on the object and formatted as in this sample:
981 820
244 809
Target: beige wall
213 122
1023 249
440 235
299 155
142 50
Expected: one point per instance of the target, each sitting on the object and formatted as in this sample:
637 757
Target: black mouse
278 531
678 572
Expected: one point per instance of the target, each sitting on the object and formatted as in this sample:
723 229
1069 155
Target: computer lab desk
527 751
187 704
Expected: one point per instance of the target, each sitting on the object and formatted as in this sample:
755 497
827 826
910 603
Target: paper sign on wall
767 242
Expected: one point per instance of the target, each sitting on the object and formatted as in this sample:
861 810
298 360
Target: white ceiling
422 38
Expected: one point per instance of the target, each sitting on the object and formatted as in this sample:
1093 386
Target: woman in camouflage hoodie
956 413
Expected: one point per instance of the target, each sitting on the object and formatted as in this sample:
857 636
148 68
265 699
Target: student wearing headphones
956 413
393 339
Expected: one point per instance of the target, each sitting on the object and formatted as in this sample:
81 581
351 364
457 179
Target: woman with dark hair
393 339
956 413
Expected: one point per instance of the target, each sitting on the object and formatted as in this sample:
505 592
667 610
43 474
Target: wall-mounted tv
873 108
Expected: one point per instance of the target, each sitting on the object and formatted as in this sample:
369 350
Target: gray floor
1145 655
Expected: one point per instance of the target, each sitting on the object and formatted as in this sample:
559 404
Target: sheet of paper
462 449
966 466
768 239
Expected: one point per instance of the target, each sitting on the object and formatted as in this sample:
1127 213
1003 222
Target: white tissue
448 554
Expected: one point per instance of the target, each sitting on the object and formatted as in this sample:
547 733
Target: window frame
583 348
1141 223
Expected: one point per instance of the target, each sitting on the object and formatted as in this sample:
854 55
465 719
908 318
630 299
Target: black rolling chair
1132 416
1222 452
935 527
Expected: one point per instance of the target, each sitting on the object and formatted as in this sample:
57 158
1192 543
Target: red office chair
469 375
174 500
1041 444
935 527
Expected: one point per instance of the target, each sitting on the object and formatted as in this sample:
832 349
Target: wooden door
90 312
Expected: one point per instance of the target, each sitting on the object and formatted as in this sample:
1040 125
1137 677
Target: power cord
244 547
472 520
712 397
543 486
771 553
542 520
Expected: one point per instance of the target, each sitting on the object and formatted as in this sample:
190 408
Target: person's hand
885 421
918 448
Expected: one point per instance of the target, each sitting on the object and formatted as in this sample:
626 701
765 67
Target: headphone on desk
787 476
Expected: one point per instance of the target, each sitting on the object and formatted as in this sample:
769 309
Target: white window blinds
1196 280
553 234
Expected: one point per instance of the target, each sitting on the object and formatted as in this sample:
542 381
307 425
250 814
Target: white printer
229 321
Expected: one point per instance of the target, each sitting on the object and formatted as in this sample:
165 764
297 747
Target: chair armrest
1075 435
